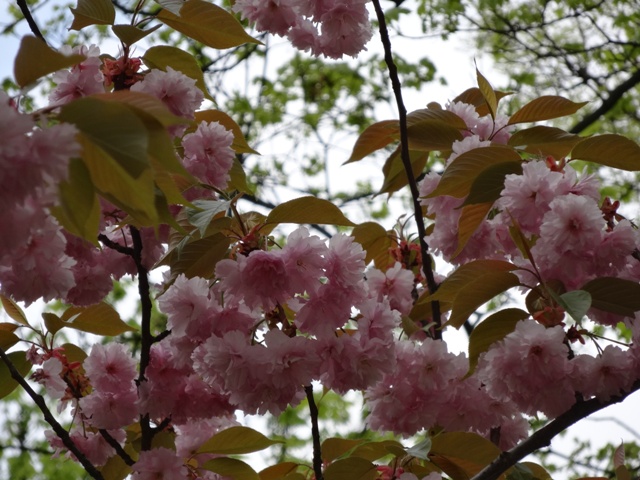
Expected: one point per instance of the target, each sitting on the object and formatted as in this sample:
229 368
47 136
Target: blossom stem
542 438
50 419
406 161
315 433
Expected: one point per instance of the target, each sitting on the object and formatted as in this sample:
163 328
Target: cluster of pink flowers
83 79
332 28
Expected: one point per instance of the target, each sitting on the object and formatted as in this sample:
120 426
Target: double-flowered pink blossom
83 79
208 155
159 463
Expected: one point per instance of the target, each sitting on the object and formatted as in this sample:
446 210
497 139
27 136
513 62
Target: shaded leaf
395 176
173 6
614 295
143 103
333 448
22 365
488 185
204 211
430 135
538 471
373 138
446 117
311 210
545 107
421 450
163 56
14 311
491 330
462 455
92 12
128 34
238 178
375 450
235 441
239 144
198 258
73 352
26 71
352 468
470 219
610 150
542 140
278 471
231 468
376 243
7 339
53 322
99 319
488 93
208 24
576 303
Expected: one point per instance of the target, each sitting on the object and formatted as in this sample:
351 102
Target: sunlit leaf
610 150
491 330
311 210
208 24
375 241
22 365
26 70
545 107
92 12
99 319
488 93
235 441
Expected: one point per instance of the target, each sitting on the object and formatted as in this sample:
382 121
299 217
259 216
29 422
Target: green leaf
73 352
22 365
333 448
13 310
470 219
311 210
538 472
395 175
545 108
576 303
26 70
373 138
542 140
239 144
198 258
99 319
204 211
7 339
488 93
614 295
610 150
491 330
163 56
128 34
421 450
462 455
375 241
352 468
208 24
473 96
430 135
278 471
488 185
236 441
114 128
92 12
460 175
78 210
231 468
238 178
53 322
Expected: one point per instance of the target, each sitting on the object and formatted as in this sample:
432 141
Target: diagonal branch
24 8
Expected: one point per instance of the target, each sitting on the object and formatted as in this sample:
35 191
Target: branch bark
315 433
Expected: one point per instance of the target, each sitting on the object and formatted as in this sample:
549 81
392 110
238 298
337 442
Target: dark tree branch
24 8
406 161
315 433
542 438
50 419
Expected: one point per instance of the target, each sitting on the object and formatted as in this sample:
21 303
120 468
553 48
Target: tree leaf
352 468
14 311
53 322
376 243
491 330
73 352
236 441
373 138
488 93
395 175
99 319
446 117
542 140
375 450
545 108
7 339
239 144
198 258
576 303
278 471
208 24
231 468
78 210
311 210
204 211
238 178
163 56
459 176
430 135
26 71
333 448
23 366
610 150
473 96
462 455
614 295
92 12
421 449
470 219
128 34
488 185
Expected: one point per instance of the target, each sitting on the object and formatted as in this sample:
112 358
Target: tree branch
315 433
24 8
406 161
542 438
50 419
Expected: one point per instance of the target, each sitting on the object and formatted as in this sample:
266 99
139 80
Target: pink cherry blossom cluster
81 80
332 28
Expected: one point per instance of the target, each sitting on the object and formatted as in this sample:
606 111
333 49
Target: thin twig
315 433
50 419
406 161
24 8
